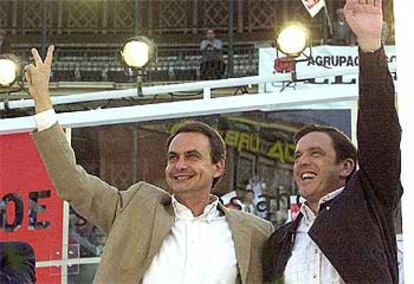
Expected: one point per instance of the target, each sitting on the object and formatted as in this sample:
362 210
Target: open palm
364 17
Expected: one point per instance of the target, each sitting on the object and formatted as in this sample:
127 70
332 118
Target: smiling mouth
183 178
306 176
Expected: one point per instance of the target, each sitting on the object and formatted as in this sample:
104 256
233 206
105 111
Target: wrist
43 104
369 47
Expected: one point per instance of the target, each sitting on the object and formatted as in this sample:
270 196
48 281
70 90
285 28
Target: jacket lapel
278 249
242 241
163 221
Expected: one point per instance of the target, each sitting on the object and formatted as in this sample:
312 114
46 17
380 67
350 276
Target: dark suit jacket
355 230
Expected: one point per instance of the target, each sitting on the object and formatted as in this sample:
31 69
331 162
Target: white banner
335 58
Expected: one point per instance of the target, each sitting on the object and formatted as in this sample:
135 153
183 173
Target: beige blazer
136 220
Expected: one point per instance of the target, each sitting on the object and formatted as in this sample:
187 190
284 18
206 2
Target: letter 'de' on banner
30 210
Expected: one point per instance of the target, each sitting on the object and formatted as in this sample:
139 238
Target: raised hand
37 77
364 17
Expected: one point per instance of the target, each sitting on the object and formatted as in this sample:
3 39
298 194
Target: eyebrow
310 149
192 152
315 148
189 152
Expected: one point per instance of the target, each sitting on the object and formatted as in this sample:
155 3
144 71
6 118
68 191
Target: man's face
189 165
210 35
249 197
316 171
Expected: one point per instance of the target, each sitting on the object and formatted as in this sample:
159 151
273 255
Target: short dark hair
250 191
343 146
217 144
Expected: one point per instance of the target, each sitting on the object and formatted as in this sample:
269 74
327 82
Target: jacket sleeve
91 197
379 131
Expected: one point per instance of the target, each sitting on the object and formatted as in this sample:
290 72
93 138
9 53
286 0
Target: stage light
138 52
9 70
292 40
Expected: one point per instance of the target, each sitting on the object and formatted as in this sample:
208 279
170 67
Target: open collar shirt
308 264
197 250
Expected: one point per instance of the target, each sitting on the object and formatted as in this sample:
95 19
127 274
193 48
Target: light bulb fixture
138 52
10 70
292 39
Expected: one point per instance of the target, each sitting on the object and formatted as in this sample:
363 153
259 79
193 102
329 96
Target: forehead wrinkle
316 138
186 142
191 141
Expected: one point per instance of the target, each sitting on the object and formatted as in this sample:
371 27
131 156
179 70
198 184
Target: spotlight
9 70
292 40
137 52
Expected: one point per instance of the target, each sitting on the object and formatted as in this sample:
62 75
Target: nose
181 164
302 160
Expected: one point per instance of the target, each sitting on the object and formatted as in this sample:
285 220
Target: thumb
28 77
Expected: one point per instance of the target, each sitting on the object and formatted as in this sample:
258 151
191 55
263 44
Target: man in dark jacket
345 230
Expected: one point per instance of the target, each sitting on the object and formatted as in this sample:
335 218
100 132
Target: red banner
30 210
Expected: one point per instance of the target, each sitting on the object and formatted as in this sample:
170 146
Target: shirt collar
330 196
184 213
309 214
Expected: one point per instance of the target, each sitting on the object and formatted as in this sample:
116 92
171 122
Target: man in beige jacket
153 236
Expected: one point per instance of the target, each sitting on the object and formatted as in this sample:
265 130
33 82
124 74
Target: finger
378 3
27 73
49 55
352 3
371 2
38 61
28 77
29 68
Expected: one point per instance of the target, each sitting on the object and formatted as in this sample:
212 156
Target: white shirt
197 250
45 119
308 264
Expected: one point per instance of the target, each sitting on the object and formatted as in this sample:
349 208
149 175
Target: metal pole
326 25
230 53
44 27
328 20
136 17
136 32
139 83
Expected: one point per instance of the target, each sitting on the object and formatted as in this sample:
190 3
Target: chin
305 193
178 189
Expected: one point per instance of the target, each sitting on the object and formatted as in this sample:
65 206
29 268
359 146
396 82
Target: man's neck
195 202
314 205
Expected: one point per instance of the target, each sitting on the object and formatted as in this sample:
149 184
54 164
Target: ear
219 168
347 166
